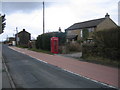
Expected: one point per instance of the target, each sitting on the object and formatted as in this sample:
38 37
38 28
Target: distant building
75 32
23 38
11 39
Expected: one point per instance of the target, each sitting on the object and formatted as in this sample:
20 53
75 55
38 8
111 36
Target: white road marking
91 79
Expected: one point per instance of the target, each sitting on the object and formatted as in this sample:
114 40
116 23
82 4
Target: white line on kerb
41 60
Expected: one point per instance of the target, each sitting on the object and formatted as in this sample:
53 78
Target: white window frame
81 33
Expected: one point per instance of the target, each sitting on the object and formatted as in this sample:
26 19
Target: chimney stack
107 15
59 29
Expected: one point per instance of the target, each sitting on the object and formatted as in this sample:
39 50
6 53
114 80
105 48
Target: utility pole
0 24
43 18
16 36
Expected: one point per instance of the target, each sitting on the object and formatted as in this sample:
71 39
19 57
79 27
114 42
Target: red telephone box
54 45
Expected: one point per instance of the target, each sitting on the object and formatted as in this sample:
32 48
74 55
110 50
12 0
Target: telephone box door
54 45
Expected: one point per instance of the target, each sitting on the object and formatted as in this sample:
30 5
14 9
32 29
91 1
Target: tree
43 41
2 23
85 34
106 44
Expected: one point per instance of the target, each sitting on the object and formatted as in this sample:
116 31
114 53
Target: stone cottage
75 32
22 38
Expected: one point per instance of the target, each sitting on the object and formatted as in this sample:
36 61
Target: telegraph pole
43 18
16 36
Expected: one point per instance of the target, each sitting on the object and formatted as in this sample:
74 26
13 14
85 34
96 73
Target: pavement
73 55
95 72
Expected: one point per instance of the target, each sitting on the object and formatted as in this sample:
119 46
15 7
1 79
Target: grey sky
24 7
58 13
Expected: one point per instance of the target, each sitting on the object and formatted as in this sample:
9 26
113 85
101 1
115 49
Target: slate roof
71 36
23 31
86 24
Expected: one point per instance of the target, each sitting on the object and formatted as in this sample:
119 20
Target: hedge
43 41
106 44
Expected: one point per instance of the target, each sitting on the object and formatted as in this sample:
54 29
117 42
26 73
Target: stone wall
106 24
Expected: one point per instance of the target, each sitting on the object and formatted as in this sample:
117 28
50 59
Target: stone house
22 38
75 32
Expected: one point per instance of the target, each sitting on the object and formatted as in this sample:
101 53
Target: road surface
28 72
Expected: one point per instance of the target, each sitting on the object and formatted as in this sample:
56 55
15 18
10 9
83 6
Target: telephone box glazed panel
54 45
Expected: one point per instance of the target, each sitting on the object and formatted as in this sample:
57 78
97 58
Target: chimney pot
107 15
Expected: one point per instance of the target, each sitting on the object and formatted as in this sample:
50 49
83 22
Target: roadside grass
102 61
40 50
36 50
21 46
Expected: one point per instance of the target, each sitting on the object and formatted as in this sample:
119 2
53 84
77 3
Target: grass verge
103 61
36 50
39 50
21 46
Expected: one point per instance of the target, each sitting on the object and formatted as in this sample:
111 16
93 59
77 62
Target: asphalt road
28 72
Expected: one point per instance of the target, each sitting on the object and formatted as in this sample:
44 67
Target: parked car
9 44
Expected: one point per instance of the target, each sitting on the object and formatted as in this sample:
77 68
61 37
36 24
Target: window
69 32
90 29
81 33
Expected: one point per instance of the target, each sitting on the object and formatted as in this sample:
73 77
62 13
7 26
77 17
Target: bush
43 41
85 34
87 50
107 44
108 38
73 47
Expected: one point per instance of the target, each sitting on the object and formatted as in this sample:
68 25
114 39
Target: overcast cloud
26 7
58 13
119 13
23 7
